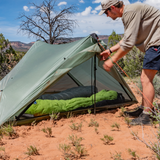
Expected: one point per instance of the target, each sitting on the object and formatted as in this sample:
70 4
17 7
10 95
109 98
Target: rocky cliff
20 46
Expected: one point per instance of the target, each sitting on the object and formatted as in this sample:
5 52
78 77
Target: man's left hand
107 65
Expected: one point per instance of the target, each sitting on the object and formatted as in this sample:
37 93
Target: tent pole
126 91
95 84
78 84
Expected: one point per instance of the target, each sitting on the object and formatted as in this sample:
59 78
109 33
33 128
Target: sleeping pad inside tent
61 78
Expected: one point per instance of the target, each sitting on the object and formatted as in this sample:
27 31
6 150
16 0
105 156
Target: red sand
96 149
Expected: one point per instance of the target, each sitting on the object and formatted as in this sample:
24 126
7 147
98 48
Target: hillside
24 47
20 46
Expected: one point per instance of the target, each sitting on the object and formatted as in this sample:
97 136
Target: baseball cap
106 4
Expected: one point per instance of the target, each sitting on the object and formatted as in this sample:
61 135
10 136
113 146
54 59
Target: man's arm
104 55
108 64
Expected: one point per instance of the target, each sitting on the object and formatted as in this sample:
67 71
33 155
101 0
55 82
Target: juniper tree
8 56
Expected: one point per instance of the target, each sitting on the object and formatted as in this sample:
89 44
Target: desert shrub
65 149
133 154
75 140
107 139
133 62
93 123
32 150
73 151
116 125
116 156
8 130
77 127
96 130
48 131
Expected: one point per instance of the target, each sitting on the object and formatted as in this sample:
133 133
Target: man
142 29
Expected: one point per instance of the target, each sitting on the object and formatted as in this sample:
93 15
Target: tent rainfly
47 69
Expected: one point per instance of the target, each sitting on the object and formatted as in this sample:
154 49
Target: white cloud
82 21
62 3
126 2
94 12
97 1
87 11
155 3
98 8
26 8
93 23
32 7
81 1
78 14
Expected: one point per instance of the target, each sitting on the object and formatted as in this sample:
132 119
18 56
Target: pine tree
113 39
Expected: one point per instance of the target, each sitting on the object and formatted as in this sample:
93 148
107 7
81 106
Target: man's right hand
104 55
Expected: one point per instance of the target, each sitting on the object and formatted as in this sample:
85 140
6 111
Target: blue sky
86 15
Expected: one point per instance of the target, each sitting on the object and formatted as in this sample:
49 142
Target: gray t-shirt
141 27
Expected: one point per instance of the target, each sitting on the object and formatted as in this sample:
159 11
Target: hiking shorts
152 58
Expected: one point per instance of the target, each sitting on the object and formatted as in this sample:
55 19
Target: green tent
47 68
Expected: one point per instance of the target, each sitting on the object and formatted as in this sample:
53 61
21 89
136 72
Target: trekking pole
95 84
95 37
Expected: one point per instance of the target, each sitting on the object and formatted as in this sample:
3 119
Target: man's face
111 12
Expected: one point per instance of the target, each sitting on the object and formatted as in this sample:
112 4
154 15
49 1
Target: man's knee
144 80
147 76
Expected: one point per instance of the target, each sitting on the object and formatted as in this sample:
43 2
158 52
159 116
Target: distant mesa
20 46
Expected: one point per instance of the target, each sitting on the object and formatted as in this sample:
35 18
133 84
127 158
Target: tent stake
95 84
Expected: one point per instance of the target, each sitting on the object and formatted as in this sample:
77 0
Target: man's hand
107 65
105 54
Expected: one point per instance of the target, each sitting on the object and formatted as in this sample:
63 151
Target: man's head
106 4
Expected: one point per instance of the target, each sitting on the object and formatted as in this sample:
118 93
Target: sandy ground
91 147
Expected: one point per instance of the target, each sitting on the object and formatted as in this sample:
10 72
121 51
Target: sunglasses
106 11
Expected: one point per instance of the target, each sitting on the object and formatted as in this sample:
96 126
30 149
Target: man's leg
151 64
148 88
147 97
148 91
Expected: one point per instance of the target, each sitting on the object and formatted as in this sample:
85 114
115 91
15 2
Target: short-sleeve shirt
141 27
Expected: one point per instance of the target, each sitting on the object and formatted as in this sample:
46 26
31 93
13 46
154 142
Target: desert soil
92 147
